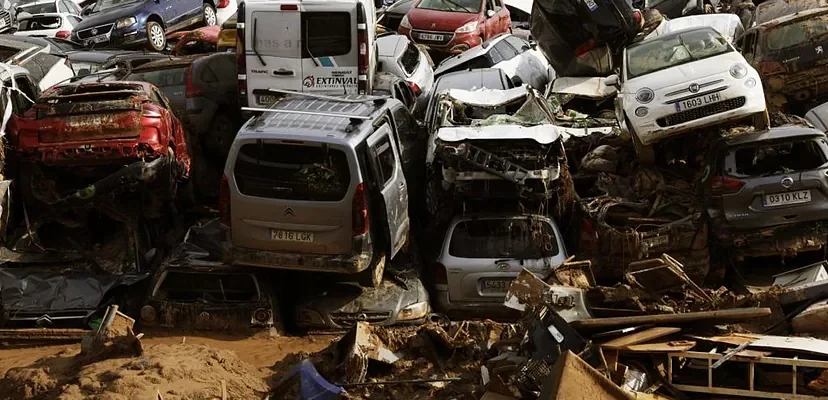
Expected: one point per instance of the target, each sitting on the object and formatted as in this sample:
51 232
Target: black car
137 23
679 8
391 16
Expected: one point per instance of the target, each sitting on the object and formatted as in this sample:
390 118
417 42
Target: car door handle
283 72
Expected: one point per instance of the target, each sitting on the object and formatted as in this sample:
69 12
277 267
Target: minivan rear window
503 238
292 172
772 158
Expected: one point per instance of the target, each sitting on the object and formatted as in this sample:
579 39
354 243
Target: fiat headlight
125 22
469 27
414 311
644 96
738 71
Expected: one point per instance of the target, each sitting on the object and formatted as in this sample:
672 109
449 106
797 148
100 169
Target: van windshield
292 172
468 6
672 50
800 33
503 238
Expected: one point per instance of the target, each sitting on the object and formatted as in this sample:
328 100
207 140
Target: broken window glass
292 172
672 50
772 158
796 34
503 238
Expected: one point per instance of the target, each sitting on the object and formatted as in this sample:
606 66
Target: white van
319 46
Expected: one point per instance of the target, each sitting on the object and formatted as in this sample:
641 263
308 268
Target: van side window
405 126
519 44
326 34
385 159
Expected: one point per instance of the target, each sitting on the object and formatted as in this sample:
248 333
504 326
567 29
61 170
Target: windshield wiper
307 47
255 50
458 5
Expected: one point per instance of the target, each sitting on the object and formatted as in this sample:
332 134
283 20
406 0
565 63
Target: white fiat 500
682 81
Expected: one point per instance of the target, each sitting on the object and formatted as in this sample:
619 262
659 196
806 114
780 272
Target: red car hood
433 20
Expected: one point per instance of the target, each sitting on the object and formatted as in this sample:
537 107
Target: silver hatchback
483 253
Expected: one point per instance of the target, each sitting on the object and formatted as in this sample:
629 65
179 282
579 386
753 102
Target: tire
372 276
208 14
156 36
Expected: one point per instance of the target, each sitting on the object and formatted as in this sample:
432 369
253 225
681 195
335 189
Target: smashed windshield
796 34
771 158
672 50
469 6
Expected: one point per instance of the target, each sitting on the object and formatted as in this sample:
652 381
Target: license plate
97 39
291 236
265 100
697 102
656 241
432 37
781 199
495 285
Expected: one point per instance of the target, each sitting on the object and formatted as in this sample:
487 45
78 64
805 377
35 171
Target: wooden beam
720 315
639 337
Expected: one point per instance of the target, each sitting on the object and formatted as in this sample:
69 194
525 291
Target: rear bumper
324 321
462 310
340 264
776 240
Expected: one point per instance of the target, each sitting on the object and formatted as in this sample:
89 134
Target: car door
385 157
491 24
504 21
190 9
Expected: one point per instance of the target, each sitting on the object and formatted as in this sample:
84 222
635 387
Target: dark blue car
139 23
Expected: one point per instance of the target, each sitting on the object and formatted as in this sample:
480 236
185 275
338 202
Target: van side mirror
612 80
490 13
517 81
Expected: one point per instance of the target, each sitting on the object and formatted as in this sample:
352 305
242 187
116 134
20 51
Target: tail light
191 90
589 237
725 185
415 88
584 48
289 7
440 274
223 3
224 201
771 68
359 225
63 35
241 58
362 47
150 111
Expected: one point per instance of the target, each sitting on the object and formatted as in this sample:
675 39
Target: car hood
389 296
434 20
685 73
109 16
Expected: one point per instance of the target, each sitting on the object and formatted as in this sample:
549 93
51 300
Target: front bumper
452 42
341 264
663 120
463 310
196 315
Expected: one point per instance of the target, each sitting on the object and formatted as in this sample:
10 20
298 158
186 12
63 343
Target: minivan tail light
415 88
289 7
223 3
440 274
360 224
725 185
191 90
362 48
241 58
149 112
224 201
585 48
63 35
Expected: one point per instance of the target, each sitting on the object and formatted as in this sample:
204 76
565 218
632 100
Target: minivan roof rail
365 99
351 117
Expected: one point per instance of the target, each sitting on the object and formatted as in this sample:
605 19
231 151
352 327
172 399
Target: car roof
781 132
25 42
334 129
785 8
91 87
469 54
800 15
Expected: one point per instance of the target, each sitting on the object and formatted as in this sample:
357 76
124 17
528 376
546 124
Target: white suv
684 81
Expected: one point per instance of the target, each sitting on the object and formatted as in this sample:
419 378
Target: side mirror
490 13
612 80
517 81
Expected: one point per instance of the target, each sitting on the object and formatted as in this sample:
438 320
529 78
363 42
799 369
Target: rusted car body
791 54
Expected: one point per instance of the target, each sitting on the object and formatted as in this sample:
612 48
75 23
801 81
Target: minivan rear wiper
307 47
255 50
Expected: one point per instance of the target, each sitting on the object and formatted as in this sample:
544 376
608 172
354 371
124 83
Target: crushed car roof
91 87
488 97
543 134
781 132
169 62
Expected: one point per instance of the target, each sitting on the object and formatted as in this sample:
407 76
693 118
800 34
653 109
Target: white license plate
432 37
781 199
291 236
656 241
97 39
697 102
265 100
495 285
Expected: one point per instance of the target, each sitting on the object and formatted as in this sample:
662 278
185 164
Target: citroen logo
94 31
289 211
787 182
694 87
503 266
44 321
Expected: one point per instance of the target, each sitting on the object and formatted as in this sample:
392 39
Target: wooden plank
731 340
664 347
640 337
43 334
720 315
765 360
745 393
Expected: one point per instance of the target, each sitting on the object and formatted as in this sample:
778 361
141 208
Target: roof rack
375 99
353 118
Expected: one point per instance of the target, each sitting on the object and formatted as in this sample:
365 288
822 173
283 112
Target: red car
454 26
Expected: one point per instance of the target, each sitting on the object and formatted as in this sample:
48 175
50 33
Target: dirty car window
498 238
33 24
410 58
772 158
292 172
796 34
162 77
669 51
182 286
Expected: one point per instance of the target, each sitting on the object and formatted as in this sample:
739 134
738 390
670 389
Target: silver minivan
316 183
483 253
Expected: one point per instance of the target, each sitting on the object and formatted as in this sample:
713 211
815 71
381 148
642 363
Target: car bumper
453 43
777 240
341 264
169 314
471 309
312 319
663 121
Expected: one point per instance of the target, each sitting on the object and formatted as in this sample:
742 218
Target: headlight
750 82
738 71
125 22
414 311
644 96
306 316
404 23
469 27
641 112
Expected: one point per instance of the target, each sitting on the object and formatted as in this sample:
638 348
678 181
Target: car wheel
372 277
156 37
209 14
645 153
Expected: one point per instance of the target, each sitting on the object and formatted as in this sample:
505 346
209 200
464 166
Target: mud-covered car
399 299
766 193
790 55
495 144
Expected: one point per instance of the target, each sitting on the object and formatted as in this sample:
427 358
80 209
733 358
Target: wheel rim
157 36
209 15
